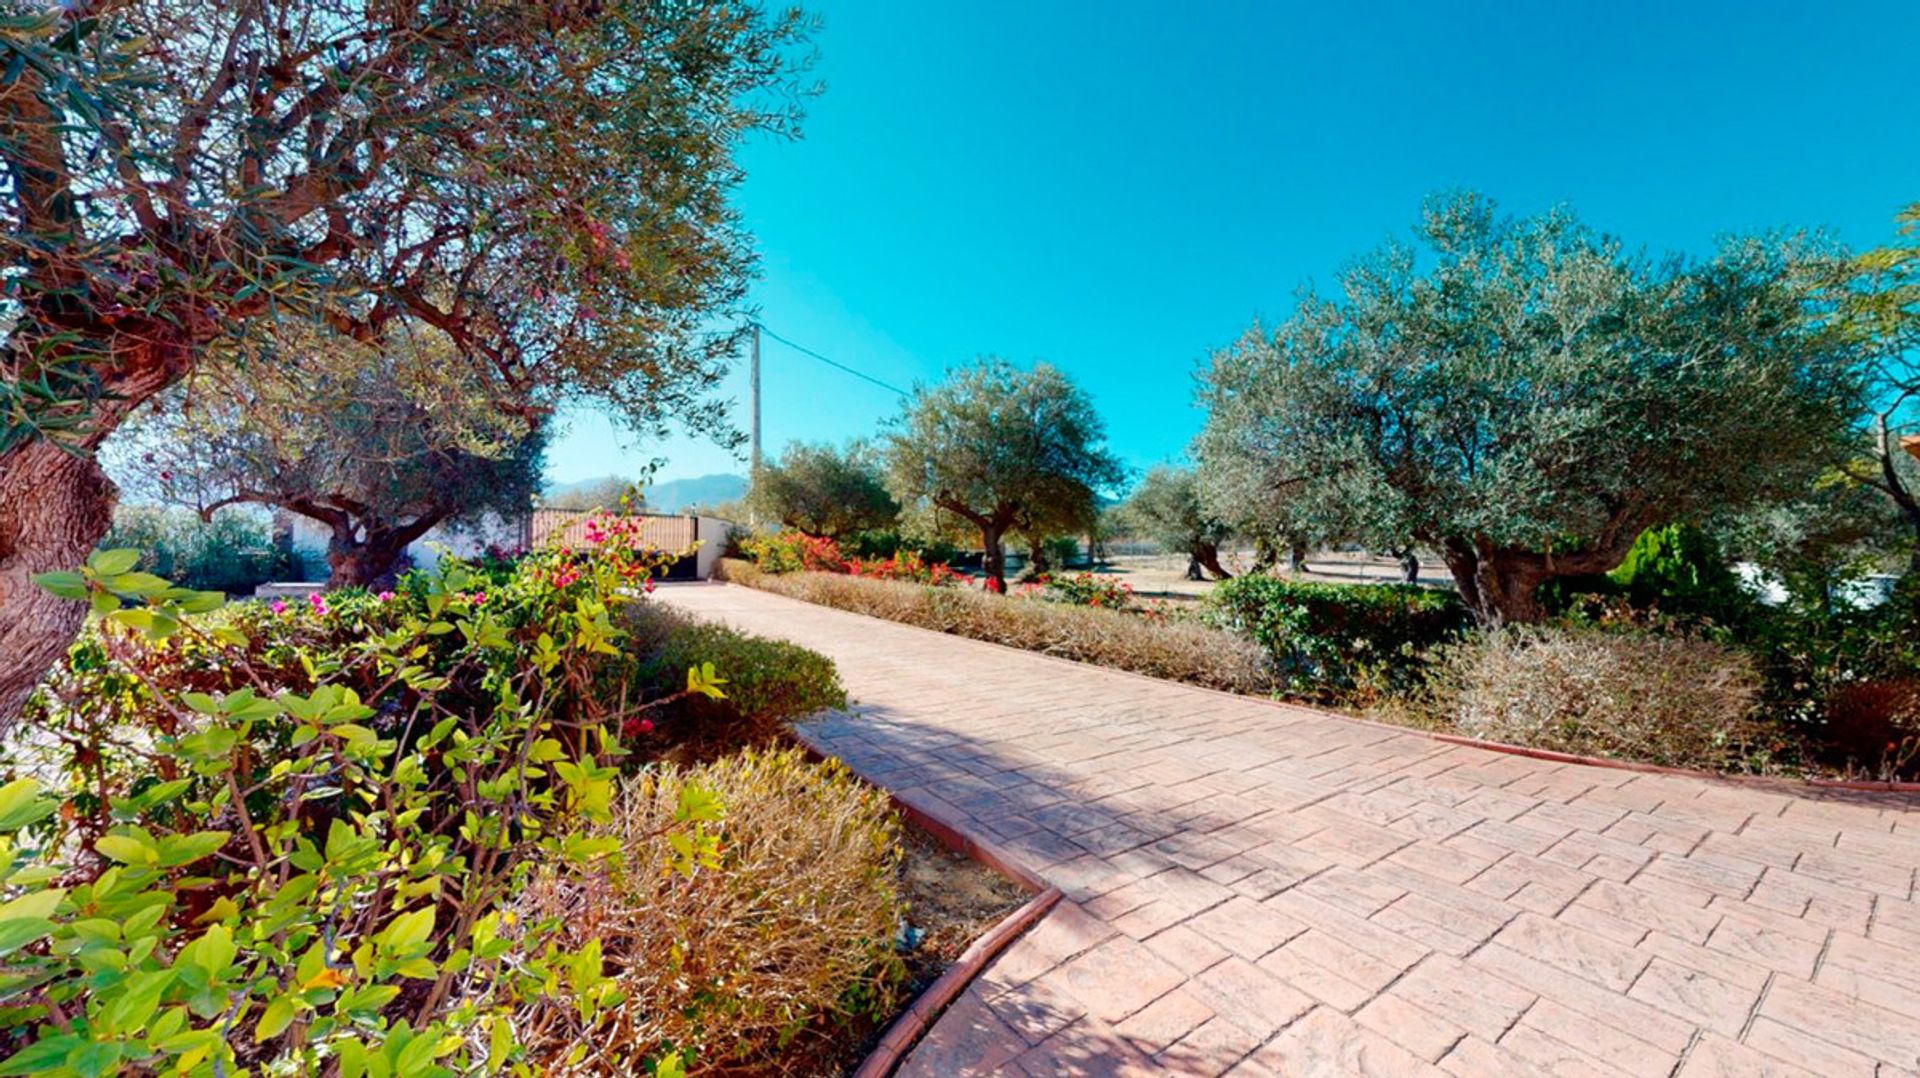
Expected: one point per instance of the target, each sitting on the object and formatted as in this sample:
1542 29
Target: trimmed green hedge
1336 641
768 682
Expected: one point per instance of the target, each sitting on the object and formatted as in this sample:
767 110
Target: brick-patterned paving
1256 889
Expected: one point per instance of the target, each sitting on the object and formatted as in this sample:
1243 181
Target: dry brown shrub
1873 728
1143 643
1674 700
790 936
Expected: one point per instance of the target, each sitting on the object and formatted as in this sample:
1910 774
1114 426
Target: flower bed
1176 650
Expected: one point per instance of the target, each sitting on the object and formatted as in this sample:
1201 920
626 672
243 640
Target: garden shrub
766 682
874 545
1840 678
905 565
1335 641
793 932
793 552
1677 700
1087 589
1155 646
1680 570
232 553
280 836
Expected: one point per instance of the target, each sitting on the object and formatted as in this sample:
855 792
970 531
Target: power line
803 349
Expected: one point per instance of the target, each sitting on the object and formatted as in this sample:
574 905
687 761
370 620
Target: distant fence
570 526
669 533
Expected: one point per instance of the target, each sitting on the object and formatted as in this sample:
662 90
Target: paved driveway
1259 889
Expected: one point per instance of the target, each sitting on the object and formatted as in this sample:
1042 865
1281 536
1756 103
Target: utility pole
755 392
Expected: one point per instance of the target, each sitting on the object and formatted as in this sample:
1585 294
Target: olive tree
1879 300
1526 397
824 491
548 184
379 443
1166 508
1003 449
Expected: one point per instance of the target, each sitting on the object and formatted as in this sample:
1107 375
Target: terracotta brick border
913 1023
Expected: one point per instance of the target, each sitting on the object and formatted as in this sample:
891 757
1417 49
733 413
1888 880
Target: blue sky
1120 188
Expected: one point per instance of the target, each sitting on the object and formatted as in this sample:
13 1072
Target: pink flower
278 606
318 603
476 598
385 597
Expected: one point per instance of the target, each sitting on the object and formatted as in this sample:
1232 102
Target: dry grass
1145 644
793 933
1672 700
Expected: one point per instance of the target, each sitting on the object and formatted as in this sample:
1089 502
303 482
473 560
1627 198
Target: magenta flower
278 606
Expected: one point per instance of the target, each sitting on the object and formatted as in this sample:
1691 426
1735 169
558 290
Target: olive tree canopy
1167 509
547 184
1526 397
824 491
1003 449
377 442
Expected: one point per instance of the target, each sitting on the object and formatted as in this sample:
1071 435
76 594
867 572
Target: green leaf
66 585
48 1054
274 1020
127 850
142 584
139 998
407 931
27 919
177 850
21 804
113 562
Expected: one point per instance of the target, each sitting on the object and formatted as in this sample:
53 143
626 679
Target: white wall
713 544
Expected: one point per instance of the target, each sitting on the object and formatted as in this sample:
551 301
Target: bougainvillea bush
1087 589
285 839
794 552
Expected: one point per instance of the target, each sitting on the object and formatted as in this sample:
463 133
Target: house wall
308 541
308 538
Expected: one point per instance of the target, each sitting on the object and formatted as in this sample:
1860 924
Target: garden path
1260 889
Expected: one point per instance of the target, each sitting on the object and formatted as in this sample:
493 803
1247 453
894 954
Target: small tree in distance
377 444
1002 449
1527 398
1166 509
824 491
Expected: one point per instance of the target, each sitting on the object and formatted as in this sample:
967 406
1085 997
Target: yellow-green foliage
282 837
791 929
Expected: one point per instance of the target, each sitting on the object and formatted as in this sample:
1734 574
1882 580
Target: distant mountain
671 496
678 495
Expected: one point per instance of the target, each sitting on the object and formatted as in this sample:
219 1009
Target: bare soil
951 900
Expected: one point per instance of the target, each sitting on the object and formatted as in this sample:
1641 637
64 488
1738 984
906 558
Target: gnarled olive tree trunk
1203 563
1501 585
54 508
56 503
359 556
